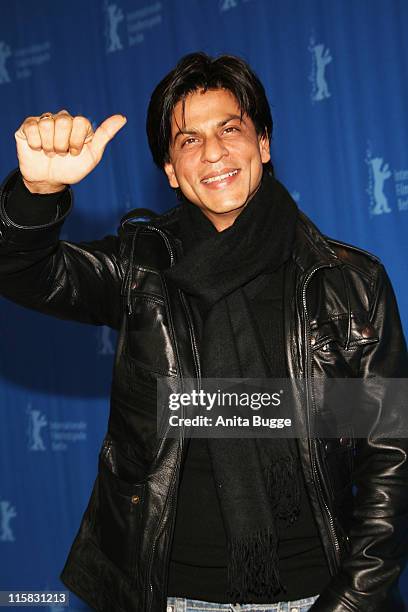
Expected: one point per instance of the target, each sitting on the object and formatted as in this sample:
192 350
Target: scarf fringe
283 487
253 566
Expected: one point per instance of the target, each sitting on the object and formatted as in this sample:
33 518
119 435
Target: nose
213 150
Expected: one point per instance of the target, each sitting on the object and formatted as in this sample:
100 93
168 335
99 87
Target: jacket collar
311 247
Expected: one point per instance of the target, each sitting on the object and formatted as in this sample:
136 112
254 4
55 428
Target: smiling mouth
219 177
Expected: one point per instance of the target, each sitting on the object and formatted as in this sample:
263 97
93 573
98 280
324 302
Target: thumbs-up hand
59 150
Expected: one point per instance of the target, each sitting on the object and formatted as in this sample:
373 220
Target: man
234 282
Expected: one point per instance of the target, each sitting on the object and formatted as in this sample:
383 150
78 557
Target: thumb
105 132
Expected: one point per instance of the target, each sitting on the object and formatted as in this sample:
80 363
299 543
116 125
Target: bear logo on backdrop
26 60
60 434
36 422
136 24
296 196
104 340
7 512
385 196
226 5
321 58
379 172
114 16
5 53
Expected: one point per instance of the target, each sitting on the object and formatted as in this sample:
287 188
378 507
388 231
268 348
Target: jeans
179 604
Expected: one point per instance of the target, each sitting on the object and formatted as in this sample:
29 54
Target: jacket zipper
166 241
309 399
198 377
197 365
153 549
193 340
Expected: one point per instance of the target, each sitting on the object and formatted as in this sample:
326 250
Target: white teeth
220 177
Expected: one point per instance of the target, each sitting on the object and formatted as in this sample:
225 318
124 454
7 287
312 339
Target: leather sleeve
80 282
25 208
379 526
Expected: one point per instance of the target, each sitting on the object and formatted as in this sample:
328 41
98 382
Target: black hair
199 71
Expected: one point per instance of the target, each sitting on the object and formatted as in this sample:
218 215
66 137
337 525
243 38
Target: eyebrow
191 132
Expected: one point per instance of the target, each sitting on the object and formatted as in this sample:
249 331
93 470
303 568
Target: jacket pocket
147 337
337 344
340 331
337 463
120 506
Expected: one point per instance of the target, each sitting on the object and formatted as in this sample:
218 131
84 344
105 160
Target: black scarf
257 479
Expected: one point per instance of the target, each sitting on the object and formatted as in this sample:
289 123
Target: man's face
216 156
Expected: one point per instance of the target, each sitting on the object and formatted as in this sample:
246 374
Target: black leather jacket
341 321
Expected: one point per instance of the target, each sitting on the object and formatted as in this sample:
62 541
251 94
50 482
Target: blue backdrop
336 75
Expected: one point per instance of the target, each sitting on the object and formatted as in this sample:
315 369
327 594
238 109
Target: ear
264 148
171 175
